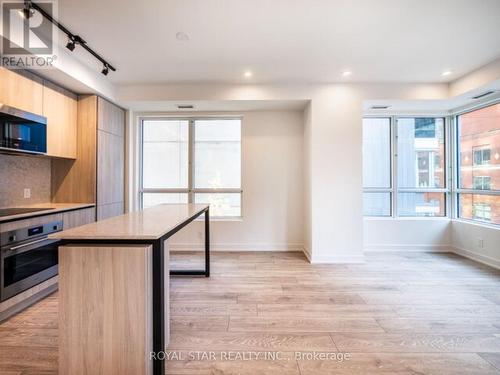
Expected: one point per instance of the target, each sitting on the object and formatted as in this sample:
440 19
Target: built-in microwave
22 131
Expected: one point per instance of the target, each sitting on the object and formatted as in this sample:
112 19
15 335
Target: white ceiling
286 40
219 105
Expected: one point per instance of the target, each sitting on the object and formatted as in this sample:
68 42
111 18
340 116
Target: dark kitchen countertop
52 208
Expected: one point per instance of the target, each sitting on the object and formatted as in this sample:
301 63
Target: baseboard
237 247
338 258
489 261
307 253
400 247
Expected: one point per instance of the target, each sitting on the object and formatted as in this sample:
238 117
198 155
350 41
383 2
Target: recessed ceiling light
248 74
446 73
346 73
182 36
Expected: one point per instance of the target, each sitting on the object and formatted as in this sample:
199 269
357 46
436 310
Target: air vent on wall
185 106
483 94
380 107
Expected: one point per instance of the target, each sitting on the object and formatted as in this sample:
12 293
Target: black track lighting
73 40
71 45
29 9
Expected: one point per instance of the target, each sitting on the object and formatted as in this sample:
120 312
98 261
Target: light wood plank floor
399 313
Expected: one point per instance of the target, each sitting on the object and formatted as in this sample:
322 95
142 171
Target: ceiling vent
185 106
380 107
487 93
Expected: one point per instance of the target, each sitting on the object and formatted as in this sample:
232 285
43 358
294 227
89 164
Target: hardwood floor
399 313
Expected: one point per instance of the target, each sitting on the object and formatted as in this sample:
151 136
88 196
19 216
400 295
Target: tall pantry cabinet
98 173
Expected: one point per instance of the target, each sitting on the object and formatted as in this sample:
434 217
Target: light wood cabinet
74 181
110 159
22 90
26 91
98 174
110 168
60 108
105 211
110 118
76 218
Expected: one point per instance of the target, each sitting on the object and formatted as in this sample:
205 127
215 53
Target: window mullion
394 160
191 135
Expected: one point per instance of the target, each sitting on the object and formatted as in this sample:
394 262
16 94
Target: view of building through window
479 164
192 160
420 166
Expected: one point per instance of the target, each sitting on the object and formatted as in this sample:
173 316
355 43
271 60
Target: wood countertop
149 224
52 208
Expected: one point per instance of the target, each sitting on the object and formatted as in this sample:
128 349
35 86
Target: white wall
476 241
334 145
307 182
420 234
272 183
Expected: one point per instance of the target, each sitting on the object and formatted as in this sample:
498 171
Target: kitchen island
114 287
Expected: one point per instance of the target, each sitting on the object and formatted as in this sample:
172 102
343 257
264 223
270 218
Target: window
478 159
425 128
377 166
419 177
482 183
481 211
420 166
192 160
481 156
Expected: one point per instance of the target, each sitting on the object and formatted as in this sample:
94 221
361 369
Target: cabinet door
76 218
110 168
111 118
105 211
21 90
60 108
110 159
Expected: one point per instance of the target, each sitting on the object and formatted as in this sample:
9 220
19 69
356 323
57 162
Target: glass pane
154 199
421 204
479 145
421 152
377 204
376 153
165 153
217 154
221 204
479 207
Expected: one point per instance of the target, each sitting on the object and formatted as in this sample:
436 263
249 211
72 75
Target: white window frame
190 190
389 189
456 164
395 189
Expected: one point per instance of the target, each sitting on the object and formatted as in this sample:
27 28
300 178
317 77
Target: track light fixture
73 40
30 7
105 70
27 10
71 45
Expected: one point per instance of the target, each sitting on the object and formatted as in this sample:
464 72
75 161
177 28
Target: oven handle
19 249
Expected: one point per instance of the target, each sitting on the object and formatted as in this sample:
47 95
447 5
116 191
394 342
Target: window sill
477 223
406 218
222 218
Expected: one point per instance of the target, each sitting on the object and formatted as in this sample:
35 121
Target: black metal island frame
143 228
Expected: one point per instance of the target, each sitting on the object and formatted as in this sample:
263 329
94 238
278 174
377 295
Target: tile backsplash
18 172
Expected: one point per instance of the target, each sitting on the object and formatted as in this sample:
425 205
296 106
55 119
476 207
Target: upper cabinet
28 92
21 90
60 108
